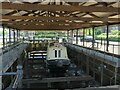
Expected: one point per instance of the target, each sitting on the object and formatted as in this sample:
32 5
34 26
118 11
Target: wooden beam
48 23
17 6
13 12
46 27
59 18
59 79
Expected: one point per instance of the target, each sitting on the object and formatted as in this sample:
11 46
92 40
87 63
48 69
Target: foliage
49 34
113 36
89 31
98 31
115 32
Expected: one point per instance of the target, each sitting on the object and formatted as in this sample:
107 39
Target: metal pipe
7 73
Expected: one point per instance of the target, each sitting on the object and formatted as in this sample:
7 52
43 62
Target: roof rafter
49 23
59 18
41 27
16 6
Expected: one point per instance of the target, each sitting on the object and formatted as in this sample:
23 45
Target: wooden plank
17 6
59 79
59 18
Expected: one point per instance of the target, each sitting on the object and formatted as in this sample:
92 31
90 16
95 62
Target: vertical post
107 38
1 67
83 36
94 68
17 36
11 71
3 36
101 68
67 35
87 65
93 35
9 36
76 36
115 75
1 86
71 34
14 36
20 75
113 48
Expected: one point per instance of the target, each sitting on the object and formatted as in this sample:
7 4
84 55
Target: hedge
111 37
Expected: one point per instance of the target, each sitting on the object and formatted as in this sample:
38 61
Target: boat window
55 53
59 53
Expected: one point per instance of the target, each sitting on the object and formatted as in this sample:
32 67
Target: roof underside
58 15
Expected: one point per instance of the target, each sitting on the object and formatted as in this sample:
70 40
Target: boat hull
58 67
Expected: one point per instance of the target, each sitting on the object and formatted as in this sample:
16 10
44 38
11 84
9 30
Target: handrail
11 47
10 55
103 45
99 54
115 55
16 83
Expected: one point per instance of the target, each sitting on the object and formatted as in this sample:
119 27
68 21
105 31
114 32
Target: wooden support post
14 36
93 37
3 36
17 35
71 39
83 36
76 36
9 36
107 38
67 35
1 68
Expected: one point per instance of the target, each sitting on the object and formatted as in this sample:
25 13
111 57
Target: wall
104 68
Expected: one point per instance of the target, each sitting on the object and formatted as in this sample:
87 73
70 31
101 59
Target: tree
98 31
